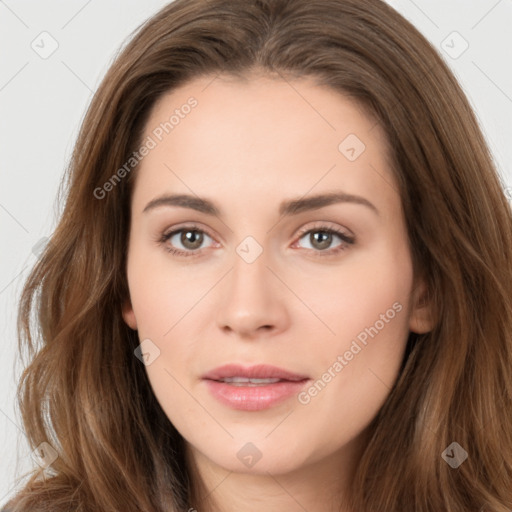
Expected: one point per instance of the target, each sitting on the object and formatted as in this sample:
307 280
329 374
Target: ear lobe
129 315
421 318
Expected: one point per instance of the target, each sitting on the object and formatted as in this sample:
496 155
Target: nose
252 300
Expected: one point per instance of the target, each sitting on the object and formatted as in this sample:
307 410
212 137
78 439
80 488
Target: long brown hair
85 393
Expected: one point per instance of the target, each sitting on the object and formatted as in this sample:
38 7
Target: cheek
356 381
160 295
367 308
370 290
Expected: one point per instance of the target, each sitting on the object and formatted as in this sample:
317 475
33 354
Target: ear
129 315
421 317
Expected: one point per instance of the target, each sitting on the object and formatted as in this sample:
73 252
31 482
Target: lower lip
254 398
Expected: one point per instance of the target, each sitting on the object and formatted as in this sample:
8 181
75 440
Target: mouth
245 381
253 388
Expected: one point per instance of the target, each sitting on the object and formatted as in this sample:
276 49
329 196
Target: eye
321 238
191 239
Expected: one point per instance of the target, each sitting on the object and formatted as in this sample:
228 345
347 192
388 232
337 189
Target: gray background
43 100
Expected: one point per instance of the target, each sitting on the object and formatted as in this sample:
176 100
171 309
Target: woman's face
264 170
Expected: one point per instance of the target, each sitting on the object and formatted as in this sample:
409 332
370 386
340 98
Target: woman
196 355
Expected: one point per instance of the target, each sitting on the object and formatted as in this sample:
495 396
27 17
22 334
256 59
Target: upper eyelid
318 225
191 227
326 225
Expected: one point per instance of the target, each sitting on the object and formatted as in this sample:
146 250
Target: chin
257 455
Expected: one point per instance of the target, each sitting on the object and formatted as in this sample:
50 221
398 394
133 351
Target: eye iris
325 239
193 237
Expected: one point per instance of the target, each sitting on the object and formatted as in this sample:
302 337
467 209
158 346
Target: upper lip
260 371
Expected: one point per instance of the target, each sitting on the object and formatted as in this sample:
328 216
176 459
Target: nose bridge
250 273
249 299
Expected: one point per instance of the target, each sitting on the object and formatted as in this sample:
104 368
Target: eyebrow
286 208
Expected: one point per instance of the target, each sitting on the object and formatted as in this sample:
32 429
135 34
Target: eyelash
346 239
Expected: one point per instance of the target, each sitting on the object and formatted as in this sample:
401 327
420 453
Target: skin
247 146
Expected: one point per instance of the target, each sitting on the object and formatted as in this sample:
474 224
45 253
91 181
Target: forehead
263 137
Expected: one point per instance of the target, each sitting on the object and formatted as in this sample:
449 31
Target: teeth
244 380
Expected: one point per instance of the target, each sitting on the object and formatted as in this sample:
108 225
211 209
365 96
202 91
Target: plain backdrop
43 99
